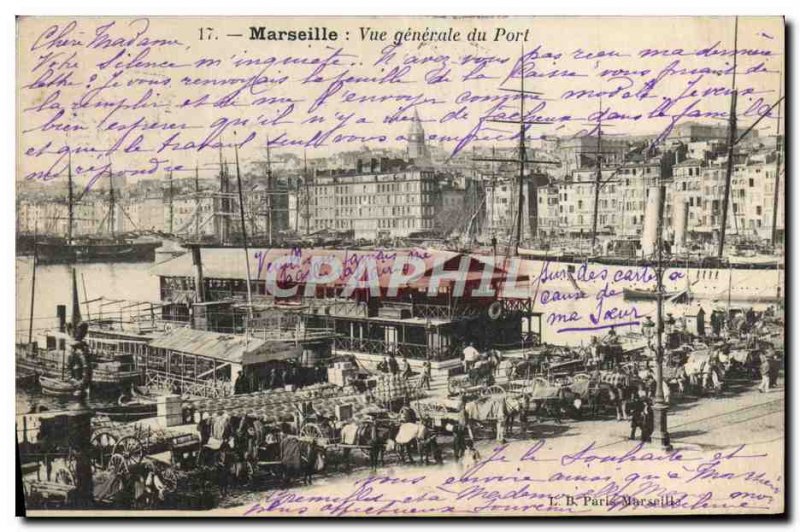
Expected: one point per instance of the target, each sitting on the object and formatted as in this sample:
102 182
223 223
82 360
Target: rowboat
638 294
58 387
132 411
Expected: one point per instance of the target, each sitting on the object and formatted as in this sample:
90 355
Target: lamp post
660 434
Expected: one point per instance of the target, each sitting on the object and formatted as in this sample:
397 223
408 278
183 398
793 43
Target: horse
244 453
371 434
702 373
595 393
514 406
408 438
743 362
495 359
312 460
499 408
551 400
482 373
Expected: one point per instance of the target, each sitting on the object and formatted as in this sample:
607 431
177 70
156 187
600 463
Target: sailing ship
105 248
750 277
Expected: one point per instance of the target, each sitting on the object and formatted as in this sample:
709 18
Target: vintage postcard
400 266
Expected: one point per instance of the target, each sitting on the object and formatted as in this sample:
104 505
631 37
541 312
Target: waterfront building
383 202
411 322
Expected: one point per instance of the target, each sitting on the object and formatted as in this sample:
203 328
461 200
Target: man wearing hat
765 367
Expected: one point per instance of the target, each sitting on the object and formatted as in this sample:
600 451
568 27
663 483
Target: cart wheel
102 444
130 449
117 465
312 430
170 478
494 389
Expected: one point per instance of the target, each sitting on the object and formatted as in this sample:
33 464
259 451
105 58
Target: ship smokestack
650 228
61 312
680 221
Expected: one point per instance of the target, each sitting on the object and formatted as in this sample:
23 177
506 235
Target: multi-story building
581 152
548 211
635 180
47 216
701 185
577 198
380 203
502 198
147 211
453 211
687 132
688 188
752 197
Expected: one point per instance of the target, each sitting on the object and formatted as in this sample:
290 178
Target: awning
271 354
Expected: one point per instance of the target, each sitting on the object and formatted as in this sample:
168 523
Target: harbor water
573 307
123 281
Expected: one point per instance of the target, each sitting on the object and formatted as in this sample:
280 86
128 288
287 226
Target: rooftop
227 347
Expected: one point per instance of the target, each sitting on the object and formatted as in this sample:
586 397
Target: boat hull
58 388
49 253
631 294
128 412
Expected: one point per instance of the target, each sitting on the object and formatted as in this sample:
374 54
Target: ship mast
521 159
598 176
111 201
244 231
33 281
171 206
307 195
778 147
196 202
269 197
522 154
70 201
223 214
731 145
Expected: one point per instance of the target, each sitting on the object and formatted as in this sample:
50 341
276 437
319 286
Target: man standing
471 355
774 369
523 415
765 367
406 369
642 416
394 369
425 382
460 430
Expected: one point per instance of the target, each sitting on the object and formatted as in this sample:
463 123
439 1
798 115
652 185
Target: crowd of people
403 369
278 376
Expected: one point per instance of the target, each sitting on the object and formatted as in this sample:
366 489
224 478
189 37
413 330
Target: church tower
417 149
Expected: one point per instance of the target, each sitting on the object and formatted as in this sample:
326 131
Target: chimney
61 312
197 262
198 313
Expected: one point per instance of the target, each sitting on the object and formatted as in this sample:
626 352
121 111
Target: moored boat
58 387
132 411
639 294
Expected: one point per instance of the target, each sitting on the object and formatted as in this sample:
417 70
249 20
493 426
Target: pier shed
205 363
